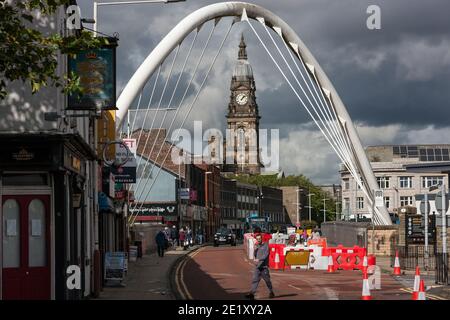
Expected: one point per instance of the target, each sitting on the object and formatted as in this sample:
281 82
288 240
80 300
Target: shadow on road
203 286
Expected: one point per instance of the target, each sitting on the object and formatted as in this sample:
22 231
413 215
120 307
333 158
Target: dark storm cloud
395 78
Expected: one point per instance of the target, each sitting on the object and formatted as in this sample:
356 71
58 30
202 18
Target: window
346 184
360 203
406 201
405 182
383 182
431 181
387 202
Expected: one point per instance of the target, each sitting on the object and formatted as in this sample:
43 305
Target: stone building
403 172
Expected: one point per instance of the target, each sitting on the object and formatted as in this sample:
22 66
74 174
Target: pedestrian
189 236
173 236
182 238
262 267
200 236
160 243
316 234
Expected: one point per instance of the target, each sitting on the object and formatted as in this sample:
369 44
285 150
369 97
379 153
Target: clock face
241 98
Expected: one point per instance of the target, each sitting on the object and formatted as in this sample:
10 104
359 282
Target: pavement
437 292
148 278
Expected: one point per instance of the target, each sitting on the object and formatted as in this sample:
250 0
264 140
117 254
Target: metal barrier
442 268
412 256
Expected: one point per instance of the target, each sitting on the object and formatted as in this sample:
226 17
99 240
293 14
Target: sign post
425 208
442 204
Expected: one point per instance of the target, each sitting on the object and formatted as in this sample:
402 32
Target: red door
26 247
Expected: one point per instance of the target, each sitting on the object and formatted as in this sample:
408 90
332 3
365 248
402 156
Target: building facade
49 191
241 152
229 206
403 172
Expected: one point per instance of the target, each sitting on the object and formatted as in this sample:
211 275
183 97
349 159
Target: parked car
224 236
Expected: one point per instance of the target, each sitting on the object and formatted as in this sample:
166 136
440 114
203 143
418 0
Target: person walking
173 237
160 243
262 267
182 238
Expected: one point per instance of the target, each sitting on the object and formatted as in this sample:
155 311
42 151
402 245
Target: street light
298 208
309 202
324 209
98 4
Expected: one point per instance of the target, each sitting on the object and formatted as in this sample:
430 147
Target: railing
412 256
442 268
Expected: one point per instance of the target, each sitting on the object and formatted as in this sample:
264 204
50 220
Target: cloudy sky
395 82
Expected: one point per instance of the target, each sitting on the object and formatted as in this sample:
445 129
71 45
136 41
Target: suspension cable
182 100
191 106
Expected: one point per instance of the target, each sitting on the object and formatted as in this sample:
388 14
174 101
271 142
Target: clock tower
242 153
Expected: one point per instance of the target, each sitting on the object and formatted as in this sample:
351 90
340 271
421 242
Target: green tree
29 55
295 180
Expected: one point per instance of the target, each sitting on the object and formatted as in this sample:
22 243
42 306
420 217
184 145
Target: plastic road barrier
347 258
276 256
297 257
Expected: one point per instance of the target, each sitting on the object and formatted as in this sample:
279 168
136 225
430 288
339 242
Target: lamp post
324 209
98 4
337 211
309 204
298 207
260 196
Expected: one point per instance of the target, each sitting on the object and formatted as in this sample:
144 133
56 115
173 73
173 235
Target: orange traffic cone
277 261
366 289
415 293
330 264
422 295
397 270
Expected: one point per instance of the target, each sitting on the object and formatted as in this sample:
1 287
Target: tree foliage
295 180
29 55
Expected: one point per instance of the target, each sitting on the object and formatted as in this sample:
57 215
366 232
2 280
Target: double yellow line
179 275
428 295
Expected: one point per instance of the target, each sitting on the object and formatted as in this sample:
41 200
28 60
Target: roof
154 147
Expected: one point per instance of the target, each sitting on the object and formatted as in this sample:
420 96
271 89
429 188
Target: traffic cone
397 270
330 264
365 264
366 289
422 295
415 293
277 261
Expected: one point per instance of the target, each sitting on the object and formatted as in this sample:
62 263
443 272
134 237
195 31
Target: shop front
45 215
162 213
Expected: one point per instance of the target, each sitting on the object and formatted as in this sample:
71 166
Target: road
224 273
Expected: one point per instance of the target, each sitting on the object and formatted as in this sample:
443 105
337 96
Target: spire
242 51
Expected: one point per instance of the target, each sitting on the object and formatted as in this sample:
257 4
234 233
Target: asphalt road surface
224 273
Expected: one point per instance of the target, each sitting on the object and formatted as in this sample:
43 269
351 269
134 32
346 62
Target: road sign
415 228
184 193
438 201
127 172
422 207
379 199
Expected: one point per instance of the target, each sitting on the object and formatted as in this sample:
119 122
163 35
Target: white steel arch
246 10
